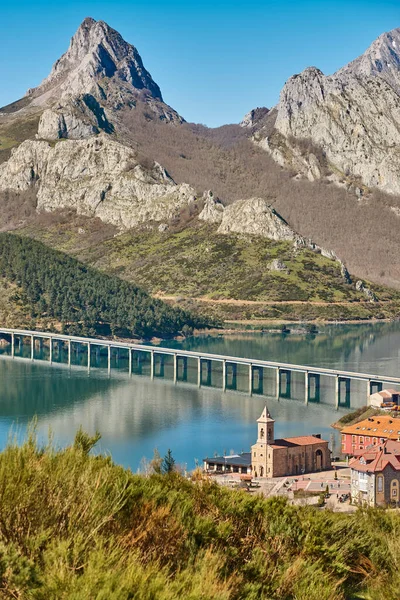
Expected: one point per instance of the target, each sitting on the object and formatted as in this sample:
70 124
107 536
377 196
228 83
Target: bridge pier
50 350
180 374
32 347
208 364
340 383
137 362
12 345
88 355
230 374
69 353
159 359
256 380
109 359
312 382
283 383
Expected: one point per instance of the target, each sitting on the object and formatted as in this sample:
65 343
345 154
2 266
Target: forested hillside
77 526
82 299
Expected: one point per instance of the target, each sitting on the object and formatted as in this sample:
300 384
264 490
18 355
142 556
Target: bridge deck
203 356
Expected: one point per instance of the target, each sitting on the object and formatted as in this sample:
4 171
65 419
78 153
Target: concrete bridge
138 353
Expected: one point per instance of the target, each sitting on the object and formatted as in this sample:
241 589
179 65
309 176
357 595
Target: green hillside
194 264
45 284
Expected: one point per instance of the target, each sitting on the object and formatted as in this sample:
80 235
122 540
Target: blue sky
214 60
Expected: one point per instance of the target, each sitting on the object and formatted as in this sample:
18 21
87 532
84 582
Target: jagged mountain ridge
381 59
92 172
136 119
351 121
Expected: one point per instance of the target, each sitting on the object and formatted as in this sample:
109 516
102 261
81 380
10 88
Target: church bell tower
261 453
266 425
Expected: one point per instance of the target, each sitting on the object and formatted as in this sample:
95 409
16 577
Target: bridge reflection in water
265 378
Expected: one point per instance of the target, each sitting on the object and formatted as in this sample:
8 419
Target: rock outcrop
256 217
54 125
368 293
278 265
254 116
347 124
96 177
212 210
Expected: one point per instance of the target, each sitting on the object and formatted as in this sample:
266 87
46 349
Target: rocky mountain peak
96 51
382 59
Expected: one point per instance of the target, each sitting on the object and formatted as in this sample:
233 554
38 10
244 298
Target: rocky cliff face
79 103
96 177
256 217
345 126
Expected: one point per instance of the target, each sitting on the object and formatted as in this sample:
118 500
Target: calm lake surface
136 415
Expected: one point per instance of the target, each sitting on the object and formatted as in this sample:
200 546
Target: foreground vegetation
52 285
76 526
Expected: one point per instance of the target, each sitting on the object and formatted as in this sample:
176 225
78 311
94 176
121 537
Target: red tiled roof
383 426
303 440
377 458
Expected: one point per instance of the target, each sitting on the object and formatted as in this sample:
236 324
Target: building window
261 433
361 439
255 454
374 441
394 489
353 438
380 483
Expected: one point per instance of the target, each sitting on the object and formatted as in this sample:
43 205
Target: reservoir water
135 414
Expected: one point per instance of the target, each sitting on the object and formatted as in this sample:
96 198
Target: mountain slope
102 143
58 289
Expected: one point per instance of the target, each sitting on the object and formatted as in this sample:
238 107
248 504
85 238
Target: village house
371 431
385 399
232 463
275 458
375 475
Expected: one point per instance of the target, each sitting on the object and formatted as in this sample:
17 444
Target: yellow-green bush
74 525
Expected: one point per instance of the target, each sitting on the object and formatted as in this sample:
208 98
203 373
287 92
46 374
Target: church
272 457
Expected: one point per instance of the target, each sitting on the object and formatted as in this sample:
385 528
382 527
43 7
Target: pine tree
168 463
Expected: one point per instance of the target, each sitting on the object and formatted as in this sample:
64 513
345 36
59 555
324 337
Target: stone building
272 457
375 475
